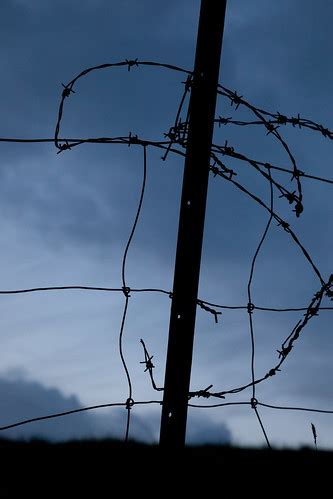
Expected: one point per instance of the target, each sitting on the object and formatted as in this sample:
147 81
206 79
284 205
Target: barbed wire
149 366
274 118
175 142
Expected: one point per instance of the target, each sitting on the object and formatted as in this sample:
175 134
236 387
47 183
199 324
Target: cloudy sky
66 218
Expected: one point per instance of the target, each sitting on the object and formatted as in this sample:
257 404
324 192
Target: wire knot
298 208
284 351
148 363
270 127
129 404
214 169
235 99
296 121
327 287
126 290
231 173
224 121
290 196
250 308
209 309
64 147
204 393
132 139
311 311
272 372
228 150
188 83
281 119
296 174
325 131
67 90
285 225
254 402
130 63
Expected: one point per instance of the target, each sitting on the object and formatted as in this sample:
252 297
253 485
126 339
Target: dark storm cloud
76 200
70 210
27 399
61 205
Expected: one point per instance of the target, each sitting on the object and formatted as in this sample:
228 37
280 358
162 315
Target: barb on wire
287 345
68 89
158 144
272 122
209 309
178 132
205 393
273 130
280 221
291 196
311 312
274 119
149 366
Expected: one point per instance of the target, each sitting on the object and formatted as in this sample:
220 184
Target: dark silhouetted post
191 223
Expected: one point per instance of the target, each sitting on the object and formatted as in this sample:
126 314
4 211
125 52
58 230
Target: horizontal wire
162 144
158 402
74 411
290 408
223 404
148 290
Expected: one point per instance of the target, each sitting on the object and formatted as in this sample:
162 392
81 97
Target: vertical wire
251 307
262 426
126 291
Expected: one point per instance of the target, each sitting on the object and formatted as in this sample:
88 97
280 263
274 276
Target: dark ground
107 468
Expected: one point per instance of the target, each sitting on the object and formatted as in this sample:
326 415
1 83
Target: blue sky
66 218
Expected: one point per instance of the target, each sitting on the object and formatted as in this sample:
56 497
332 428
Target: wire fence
175 143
